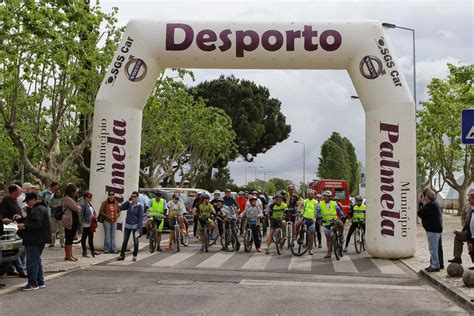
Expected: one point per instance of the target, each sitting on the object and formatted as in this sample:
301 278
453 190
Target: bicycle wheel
185 239
152 241
223 239
206 238
230 241
176 236
289 236
358 240
277 236
362 234
335 244
248 241
301 245
215 236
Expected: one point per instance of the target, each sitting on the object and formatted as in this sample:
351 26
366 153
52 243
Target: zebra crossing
191 258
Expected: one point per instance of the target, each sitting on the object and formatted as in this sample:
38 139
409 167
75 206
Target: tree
256 118
181 136
439 133
46 88
339 161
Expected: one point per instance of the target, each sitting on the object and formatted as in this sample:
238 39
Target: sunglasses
111 194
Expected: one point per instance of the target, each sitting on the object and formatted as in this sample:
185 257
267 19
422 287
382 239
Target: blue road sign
467 126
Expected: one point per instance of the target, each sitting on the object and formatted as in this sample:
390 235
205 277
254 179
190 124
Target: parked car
11 246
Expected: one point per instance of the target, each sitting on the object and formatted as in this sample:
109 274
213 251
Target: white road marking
216 260
173 259
141 255
300 263
257 262
387 266
344 265
274 283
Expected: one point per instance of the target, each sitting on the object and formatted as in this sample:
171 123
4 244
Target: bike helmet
278 196
227 190
241 192
252 197
291 186
327 193
220 200
359 198
310 191
217 192
282 192
318 196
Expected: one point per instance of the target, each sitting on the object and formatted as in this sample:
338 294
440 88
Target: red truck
339 190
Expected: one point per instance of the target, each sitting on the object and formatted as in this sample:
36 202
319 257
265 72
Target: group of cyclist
287 208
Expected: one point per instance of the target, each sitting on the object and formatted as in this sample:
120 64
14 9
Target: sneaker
267 251
320 246
259 250
328 255
42 286
51 246
120 258
237 247
310 252
159 249
30 287
22 275
134 258
432 269
202 248
170 247
345 249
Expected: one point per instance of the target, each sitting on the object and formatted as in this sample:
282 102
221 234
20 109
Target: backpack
58 214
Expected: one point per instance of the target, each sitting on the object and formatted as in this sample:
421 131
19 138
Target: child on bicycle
231 214
204 211
253 214
308 211
357 214
176 211
276 213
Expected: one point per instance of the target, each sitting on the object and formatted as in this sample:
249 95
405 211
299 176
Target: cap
27 185
241 192
30 196
227 190
217 192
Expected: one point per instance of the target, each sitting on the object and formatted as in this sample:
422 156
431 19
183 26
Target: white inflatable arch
361 47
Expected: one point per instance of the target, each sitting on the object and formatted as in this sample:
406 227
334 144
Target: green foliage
181 135
339 161
51 68
219 181
439 129
256 118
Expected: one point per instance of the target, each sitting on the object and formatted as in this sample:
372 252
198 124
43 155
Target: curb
460 298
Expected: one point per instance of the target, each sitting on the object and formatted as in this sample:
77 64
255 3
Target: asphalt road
216 283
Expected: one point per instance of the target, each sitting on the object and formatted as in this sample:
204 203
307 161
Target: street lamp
255 168
304 160
393 26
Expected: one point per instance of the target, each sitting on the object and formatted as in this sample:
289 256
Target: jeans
18 264
109 236
33 264
87 234
55 226
126 237
433 245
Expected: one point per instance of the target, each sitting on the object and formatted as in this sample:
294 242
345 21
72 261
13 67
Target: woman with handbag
90 224
72 219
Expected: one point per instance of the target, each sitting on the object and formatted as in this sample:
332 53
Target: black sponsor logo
135 69
371 67
389 62
118 63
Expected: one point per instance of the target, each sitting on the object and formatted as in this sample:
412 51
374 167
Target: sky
318 102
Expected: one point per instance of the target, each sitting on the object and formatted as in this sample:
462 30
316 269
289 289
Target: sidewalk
55 266
451 286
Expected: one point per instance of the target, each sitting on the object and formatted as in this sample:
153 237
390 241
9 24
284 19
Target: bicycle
209 239
289 230
180 237
152 237
336 240
248 237
278 239
228 241
359 237
300 246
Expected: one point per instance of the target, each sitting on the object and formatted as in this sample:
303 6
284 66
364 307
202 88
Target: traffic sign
467 126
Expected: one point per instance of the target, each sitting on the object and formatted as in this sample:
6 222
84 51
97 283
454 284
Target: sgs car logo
389 62
135 69
371 67
119 62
